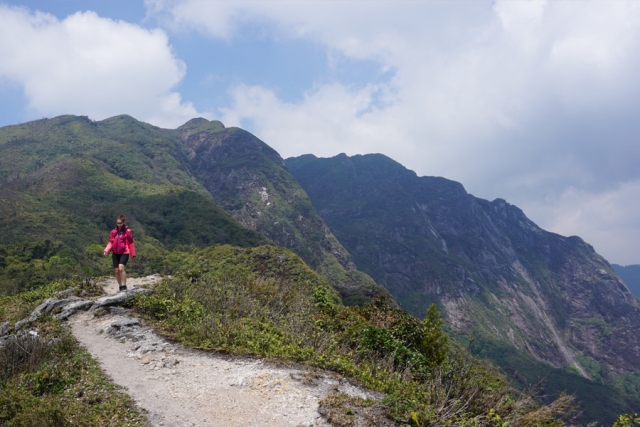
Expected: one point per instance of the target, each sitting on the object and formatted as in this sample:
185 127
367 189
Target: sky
535 102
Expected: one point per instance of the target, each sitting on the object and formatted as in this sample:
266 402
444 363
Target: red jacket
121 242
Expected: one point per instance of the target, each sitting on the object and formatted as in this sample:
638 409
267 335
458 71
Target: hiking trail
180 387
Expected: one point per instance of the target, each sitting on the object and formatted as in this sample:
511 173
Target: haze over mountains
529 299
631 276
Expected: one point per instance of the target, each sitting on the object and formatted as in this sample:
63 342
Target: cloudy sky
535 102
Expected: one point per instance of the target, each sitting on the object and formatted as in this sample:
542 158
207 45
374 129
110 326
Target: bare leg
118 279
123 275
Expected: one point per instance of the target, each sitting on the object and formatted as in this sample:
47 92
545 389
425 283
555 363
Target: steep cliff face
493 271
248 179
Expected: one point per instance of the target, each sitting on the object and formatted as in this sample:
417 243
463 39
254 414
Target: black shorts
119 259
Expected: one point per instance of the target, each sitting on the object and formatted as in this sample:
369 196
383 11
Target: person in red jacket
121 243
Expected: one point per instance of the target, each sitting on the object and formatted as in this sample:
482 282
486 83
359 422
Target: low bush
49 380
266 302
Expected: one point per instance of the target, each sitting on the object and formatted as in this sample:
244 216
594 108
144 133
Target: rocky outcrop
118 299
63 309
49 305
71 309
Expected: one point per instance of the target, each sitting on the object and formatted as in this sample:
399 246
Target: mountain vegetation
48 379
538 304
215 207
64 181
265 301
249 180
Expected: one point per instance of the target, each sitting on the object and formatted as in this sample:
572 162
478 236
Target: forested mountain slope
491 268
64 180
249 180
501 281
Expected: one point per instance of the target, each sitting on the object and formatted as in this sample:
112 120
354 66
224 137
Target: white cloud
609 218
323 120
474 76
92 66
515 99
522 21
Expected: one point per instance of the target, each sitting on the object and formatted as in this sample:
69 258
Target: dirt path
184 387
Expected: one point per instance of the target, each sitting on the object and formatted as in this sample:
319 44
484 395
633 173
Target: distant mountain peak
492 271
201 124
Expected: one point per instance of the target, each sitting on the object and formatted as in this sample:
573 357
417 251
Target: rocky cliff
249 180
494 272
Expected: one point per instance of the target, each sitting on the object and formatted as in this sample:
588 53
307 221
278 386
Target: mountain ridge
630 274
249 180
466 246
510 290
71 166
506 287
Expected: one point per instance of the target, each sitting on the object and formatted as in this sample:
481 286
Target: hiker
121 242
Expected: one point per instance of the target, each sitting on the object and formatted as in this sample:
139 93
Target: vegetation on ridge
64 180
266 302
49 380
538 304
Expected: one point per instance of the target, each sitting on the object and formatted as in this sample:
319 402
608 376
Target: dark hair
122 219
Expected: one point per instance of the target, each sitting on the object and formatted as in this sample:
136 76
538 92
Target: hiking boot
123 287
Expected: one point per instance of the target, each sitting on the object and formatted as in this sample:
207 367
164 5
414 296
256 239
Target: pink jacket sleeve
132 246
110 244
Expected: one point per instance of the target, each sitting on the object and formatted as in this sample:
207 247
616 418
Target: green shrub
266 302
627 420
49 380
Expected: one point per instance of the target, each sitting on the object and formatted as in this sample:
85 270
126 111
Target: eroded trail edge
178 386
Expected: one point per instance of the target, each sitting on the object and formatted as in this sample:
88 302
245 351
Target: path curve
181 387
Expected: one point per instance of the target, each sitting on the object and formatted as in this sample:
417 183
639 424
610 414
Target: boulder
71 309
21 324
122 326
40 309
5 328
127 322
49 305
119 298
